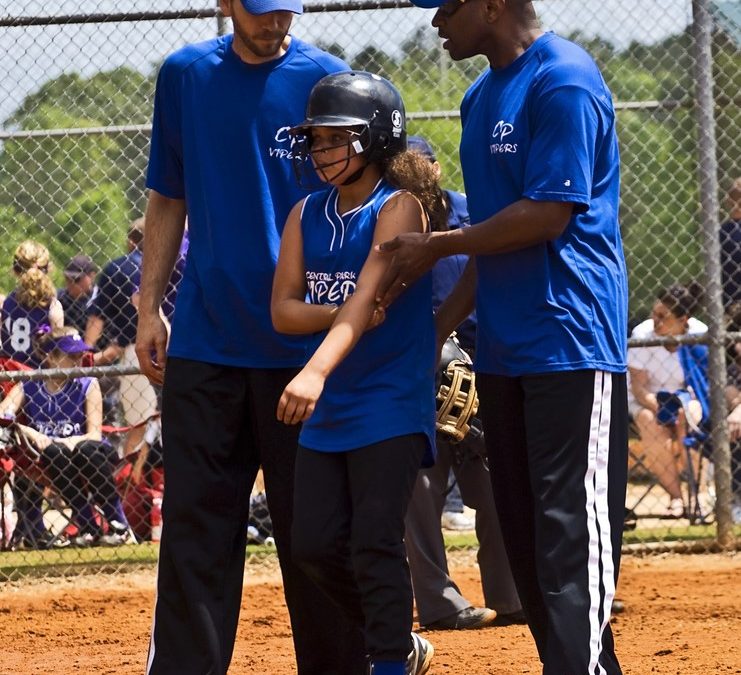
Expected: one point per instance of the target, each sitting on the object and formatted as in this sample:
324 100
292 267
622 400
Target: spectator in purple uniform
63 422
31 304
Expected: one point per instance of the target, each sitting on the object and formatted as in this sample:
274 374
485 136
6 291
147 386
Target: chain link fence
75 104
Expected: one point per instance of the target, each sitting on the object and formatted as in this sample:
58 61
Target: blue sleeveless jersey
58 415
19 326
543 128
385 386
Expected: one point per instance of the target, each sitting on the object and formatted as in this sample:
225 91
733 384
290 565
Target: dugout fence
75 103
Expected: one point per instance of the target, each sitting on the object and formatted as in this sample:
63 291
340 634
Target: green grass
16 565
21 564
690 533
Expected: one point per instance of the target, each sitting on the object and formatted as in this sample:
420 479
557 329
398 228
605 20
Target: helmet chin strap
355 176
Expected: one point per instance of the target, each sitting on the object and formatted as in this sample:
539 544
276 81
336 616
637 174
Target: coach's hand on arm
165 220
519 225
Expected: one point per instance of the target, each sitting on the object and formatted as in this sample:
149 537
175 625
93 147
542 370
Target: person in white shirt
653 369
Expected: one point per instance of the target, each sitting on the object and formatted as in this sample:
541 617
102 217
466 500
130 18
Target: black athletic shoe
467 619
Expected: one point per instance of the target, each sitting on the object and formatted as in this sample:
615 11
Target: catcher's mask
457 401
365 105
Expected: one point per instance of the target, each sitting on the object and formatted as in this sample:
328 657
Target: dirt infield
683 615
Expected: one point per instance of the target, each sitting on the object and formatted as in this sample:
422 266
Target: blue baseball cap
431 4
265 6
420 145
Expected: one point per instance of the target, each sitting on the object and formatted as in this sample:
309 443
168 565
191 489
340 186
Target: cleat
467 619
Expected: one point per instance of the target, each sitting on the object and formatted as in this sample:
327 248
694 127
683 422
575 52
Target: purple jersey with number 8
19 325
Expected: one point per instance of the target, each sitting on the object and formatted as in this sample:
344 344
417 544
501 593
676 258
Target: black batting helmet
353 100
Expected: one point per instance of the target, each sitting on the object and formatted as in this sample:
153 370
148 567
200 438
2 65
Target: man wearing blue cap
221 155
440 604
541 170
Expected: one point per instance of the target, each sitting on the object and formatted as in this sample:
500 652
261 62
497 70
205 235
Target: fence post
220 21
708 180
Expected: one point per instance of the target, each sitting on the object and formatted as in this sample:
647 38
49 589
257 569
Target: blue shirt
447 271
385 386
543 128
75 309
220 142
111 299
171 292
19 328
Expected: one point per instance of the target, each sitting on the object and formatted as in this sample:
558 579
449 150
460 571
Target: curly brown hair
412 171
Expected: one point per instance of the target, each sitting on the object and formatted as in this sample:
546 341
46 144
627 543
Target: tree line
78 193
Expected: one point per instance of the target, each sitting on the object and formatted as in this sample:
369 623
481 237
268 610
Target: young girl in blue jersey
63 420
365 397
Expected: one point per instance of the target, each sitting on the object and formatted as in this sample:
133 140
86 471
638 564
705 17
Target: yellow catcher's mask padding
457 400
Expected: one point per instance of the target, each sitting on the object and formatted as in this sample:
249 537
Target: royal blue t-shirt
220 142
385 386
543 128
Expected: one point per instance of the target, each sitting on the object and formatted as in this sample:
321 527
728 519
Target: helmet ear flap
381 142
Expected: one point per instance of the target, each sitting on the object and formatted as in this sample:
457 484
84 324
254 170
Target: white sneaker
457 522
419 659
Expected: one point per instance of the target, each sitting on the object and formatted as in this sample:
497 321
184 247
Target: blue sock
85 516
114 511
388 668
35 521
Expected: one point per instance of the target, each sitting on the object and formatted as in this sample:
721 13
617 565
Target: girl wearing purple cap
64 420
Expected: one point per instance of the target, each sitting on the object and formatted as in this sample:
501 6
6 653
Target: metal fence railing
75 107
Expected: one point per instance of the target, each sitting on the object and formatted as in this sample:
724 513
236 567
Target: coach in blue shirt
540 164
221 153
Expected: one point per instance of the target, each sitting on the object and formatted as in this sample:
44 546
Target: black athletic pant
348 534
89 467
557 448
219 426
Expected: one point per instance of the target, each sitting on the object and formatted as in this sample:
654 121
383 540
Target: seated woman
64 420
667 368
